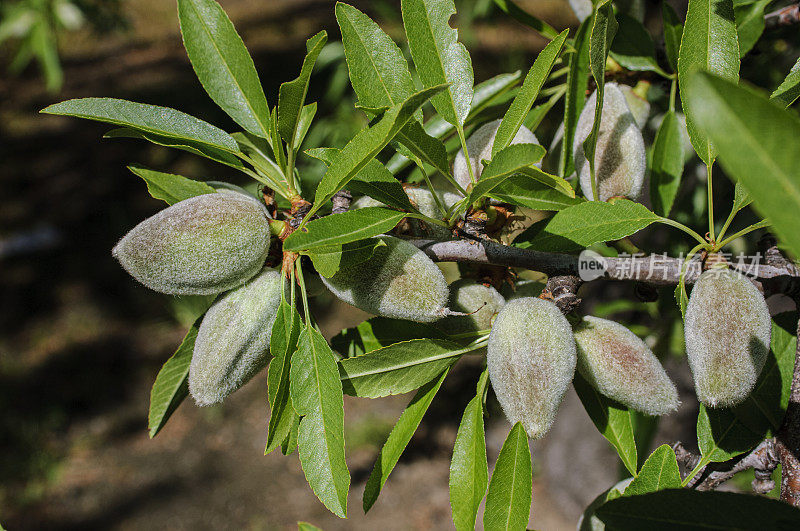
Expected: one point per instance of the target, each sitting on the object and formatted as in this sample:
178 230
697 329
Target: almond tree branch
658 270
762 459
783 17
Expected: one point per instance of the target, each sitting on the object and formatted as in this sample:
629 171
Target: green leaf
575 98
172 383
305 526
485 94
428 149
223 65
289 444
283 343
329 259
381 332
398 368
709 42
258 150
338 229
633 47
304 123
508 501
398 439
741 198
217 155
749 24
366 144
537 75
523 191
666 167
469 471
764 408
659 472
585 224
438 56
603 30
161 121
789 90
673 29
169 187
685 509
378 71
292 94
512 9
511 160
373 180
613 420
721 436
317 396
751 135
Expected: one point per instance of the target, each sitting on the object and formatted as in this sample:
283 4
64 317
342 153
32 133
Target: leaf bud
231 345
479 146
399 281
620 159
728 329
531 359
622 367
200 246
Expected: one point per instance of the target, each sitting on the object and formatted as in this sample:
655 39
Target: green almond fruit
398 281
622 367
233 341
728 331
479 302
531 359
200 246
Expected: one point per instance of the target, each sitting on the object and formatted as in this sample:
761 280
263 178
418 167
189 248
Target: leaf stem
460 131
684 228
302 283
760 225
710 202
436 199
672 90
700 465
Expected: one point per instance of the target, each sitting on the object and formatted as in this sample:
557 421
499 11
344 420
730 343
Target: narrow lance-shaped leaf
633 47
512 9
751 135
749 23
378 71
537 75
789 89
585 224
367 144
211 153
673 29
317 396
373 180
149 118
169 187
338 229
292 94
398 368
666 166
613 421
721 436
469 471
172 383
223 65
505 164
329 259
709 43
438 56
575 98
691 509
398 439
524 191
603 30
283 343
508 501
659 472
378 332
304 123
